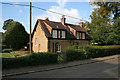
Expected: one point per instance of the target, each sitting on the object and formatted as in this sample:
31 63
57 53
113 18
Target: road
104 69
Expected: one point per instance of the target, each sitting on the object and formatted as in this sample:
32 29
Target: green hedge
74 55
100 51
86 52
7 50
31 60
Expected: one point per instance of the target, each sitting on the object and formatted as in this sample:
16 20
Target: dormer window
59 34
63 34
80 35
54 33
83 35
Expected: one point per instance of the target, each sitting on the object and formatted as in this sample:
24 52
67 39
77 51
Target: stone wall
42 41
65 44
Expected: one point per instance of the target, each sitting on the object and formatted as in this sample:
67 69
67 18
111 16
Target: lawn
7 55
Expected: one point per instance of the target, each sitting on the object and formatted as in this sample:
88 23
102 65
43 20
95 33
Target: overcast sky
21 13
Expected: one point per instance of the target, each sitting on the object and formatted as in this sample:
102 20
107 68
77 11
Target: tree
86 25
15 37
104 25
114 34
112 8
6 23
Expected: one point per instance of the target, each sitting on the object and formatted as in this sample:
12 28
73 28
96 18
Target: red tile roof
47 27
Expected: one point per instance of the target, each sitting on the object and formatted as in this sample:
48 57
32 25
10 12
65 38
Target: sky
80 10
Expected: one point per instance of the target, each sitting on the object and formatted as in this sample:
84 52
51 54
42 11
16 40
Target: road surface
104 69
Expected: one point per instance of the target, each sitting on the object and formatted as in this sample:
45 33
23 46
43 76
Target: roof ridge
49 21
71 24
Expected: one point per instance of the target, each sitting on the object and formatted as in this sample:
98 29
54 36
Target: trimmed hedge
86 52
101 51
74 55
31 60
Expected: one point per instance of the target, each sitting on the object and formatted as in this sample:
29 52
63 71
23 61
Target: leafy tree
15 37
114 34
104 26
6 23
112 8
86 25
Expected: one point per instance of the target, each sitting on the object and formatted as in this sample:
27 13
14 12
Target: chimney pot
81 23
63 19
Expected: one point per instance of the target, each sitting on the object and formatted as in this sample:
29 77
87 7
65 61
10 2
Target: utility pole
30 30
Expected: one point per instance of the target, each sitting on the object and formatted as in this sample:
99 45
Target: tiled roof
45 24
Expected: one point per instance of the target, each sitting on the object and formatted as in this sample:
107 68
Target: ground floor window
39 48
58 48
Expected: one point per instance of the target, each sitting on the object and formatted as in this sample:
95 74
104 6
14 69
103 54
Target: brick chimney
63 19
81 23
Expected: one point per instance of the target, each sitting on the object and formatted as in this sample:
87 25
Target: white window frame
63 34
58 48
54 33
83 35
78 35
39 48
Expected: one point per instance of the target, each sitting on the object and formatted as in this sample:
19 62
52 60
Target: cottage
50 36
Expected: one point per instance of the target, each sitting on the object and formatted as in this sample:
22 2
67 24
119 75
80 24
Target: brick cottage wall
65 44
42 40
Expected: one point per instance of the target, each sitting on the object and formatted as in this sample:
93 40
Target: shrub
26 52
100 51
5 47
7 50
74 55
86 52
30 60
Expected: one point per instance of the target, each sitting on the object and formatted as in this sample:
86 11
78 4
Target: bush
100 51
27 52
31 60
86 52
75 55
7 50
5 47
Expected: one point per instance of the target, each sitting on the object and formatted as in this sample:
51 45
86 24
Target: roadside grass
7 55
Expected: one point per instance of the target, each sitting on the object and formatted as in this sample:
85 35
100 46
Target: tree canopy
15 37
6 23
104 26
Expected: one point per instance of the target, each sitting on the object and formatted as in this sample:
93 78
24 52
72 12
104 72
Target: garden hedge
31 60
86 52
